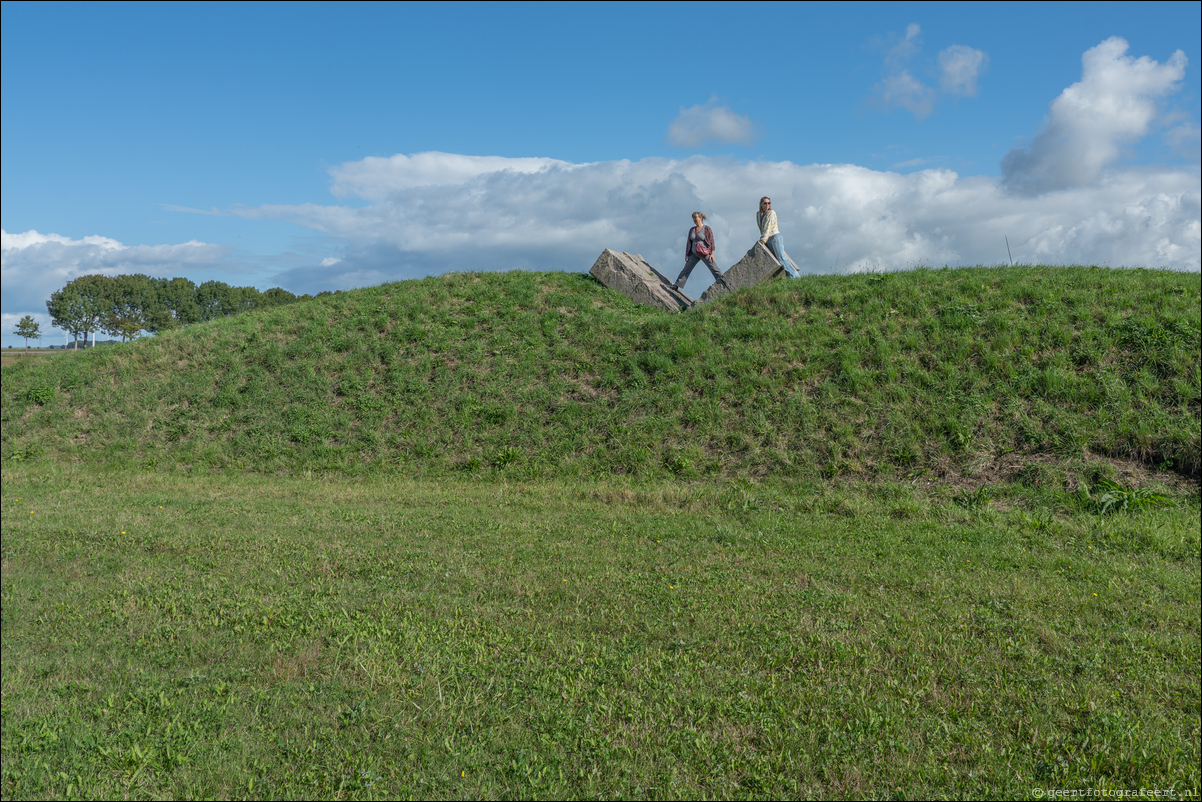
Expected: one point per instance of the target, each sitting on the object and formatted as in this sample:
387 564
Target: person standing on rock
698 247
765 218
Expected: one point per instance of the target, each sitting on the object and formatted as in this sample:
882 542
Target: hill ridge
529 374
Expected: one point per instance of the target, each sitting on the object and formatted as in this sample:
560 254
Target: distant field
249 636
8 355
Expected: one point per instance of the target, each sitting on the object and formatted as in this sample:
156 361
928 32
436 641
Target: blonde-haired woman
765 218
698 247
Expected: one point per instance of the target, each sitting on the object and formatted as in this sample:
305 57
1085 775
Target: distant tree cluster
124 306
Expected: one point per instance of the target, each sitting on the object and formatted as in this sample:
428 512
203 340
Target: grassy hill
842 537
985 373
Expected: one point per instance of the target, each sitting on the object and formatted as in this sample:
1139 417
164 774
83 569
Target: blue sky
322 146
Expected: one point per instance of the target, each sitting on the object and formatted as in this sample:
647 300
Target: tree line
125 306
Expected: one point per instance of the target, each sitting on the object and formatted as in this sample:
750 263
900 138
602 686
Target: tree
128 300
174 304
67 311
126 305
123 323
276 297
99 291
28 328
79 306
217 299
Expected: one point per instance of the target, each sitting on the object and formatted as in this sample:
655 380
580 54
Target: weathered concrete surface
758 265
631 275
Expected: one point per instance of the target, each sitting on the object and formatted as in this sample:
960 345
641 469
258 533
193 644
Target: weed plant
937 372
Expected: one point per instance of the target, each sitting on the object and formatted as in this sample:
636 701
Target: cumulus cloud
376 177
33 264
700 125
561 216
1112 105
959 68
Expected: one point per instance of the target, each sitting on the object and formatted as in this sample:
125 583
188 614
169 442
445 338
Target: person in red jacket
698 247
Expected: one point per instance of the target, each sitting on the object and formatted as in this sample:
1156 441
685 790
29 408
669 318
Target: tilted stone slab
758 265
631 275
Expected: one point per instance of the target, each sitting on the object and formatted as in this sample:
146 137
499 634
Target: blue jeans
691 263
776 244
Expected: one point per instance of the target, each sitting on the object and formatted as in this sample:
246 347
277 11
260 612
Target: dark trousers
691 263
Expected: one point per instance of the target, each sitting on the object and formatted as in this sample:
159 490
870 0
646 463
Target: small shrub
959 435
1116 498
506 456
679 464
39 395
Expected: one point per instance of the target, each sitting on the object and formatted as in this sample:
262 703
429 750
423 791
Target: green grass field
261 637
922 535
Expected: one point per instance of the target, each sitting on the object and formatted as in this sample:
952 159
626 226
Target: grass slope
1004 371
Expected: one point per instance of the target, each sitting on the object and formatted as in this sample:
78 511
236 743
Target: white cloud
960 66
906 48
375 177
1112 105
903 89
33 265
561 217
699 125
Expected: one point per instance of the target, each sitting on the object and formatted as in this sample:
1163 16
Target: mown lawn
244 635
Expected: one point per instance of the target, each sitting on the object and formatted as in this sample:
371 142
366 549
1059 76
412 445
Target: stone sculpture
758 265
631 275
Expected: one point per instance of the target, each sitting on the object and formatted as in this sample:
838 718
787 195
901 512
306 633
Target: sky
331 146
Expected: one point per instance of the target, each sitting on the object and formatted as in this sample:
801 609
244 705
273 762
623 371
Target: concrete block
758 265
631 275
